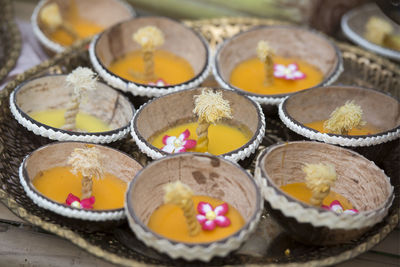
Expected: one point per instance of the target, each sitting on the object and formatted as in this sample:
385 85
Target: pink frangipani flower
335 206
289 72
209 218
74 201
178 144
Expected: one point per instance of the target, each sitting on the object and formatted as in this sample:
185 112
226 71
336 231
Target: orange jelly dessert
81 26
301 192
364 130
168 220
58 182
168 67
249 75
222 138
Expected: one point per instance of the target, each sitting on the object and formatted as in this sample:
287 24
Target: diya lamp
150 56
269 63
322 194
74 107
58 24
361 119
217 121
193 206
79 180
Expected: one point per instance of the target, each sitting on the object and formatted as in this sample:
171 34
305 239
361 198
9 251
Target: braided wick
202 136
87 184
71 113
148 58
190 214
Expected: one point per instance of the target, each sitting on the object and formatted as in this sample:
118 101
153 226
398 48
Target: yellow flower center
210 215
177 143
76 204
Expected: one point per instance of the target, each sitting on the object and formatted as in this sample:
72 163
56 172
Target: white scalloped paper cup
50 92
313 47
230 183
177 107
56 154
358 181
179 40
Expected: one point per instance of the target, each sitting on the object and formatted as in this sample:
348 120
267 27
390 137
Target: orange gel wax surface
84 122
249 75
169 67
365 130
168 221
82 27
301 192
222 138
56 183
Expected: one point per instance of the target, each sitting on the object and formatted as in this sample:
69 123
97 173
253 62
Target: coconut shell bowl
206 175
52 93
379 110
96 12
179 40
174 109
358 179
286 41
56 154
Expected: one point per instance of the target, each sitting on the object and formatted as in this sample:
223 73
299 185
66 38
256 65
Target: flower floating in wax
178 144
337 207
148 38
319 179
345 118
209 218
210 107
289 72
180 194
265 54
82 79
51 17
74 201
86 161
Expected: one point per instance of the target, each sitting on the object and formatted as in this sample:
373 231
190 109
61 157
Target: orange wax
222 138
82 27
301 192
56 183
249 75
364 130
171 68
168 220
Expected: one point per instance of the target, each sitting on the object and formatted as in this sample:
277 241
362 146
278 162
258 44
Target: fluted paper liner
56 154
286 41
173 109
179 40
205 175
52 92
358 179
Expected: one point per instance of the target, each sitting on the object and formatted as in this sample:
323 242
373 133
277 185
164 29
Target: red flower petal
183 136
164 140
190 144
87 203
222 221
201 218
71 198
204 207
209 225
221 209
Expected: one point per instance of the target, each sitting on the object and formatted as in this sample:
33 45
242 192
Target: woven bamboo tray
10 39
119 245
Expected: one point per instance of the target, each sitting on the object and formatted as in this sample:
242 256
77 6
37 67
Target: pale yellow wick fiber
149 37
211 107
50 15
345 118
87 161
